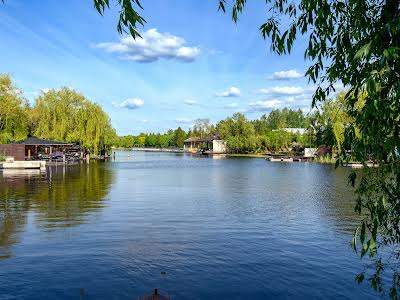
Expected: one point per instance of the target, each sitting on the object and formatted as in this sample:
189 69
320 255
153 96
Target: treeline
242 135
324 126
62 115
66 115
172 138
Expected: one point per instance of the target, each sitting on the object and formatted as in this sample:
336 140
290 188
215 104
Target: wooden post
114 155
64 160
29 154
88 158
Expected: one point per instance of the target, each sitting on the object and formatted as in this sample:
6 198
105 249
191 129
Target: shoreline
324 161
148 149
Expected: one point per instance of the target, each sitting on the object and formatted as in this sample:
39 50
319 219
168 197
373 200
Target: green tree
66 115
179 137
238 132
14 125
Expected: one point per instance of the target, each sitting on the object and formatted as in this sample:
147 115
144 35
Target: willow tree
13 112
66 115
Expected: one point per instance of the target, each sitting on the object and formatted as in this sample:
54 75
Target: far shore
149 149
321 160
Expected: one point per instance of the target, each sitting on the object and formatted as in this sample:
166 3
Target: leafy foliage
63 115
66 115
129 18
13 112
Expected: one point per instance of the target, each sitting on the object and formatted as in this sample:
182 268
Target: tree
179 137
238 132
66 115
14 125
202 128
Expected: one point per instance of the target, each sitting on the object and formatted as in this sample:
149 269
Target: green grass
2 157
327 159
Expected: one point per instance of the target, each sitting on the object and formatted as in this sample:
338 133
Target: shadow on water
60 197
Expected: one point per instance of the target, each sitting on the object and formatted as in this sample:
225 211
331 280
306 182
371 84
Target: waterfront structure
292 130
212 144
310 152
35 148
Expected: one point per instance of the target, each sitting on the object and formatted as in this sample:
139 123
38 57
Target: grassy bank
328 159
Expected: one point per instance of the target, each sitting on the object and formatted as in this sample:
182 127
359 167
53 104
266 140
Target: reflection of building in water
63 197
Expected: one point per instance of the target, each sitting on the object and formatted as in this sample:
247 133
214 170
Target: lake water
194 227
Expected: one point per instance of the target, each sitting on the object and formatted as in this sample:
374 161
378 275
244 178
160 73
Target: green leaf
372 247
360 277
362 233
363 51
364 249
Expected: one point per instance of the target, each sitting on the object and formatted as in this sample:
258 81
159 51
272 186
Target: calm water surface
218 228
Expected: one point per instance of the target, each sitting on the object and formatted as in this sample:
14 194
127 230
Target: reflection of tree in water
341 210
61 197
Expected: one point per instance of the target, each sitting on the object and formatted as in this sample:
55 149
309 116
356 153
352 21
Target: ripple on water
196 228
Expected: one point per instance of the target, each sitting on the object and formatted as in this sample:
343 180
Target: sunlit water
219 229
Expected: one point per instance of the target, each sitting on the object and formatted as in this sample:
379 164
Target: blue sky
193 61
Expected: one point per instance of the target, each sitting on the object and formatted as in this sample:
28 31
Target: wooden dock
281 158
23 165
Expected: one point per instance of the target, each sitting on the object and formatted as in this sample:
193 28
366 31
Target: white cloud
133 103
231 105
45 90
284 75
190 102
282 90
231 92
152 46
264 105
183 120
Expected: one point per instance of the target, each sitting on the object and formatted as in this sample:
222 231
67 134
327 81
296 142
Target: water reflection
63 196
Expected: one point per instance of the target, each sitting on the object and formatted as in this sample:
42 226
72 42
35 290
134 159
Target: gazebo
212 144
36 148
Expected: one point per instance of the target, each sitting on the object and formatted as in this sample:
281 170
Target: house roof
37 141
192 139
209 138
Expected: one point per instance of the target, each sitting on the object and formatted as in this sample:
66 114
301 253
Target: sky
191 62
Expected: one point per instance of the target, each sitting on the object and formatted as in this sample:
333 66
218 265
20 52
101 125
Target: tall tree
238 132
66 115
14 125
179 137
202 127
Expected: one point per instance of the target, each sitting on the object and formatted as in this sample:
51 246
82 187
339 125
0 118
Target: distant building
292 130
310 152
213 144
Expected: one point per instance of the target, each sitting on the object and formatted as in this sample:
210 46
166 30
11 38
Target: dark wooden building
35 148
